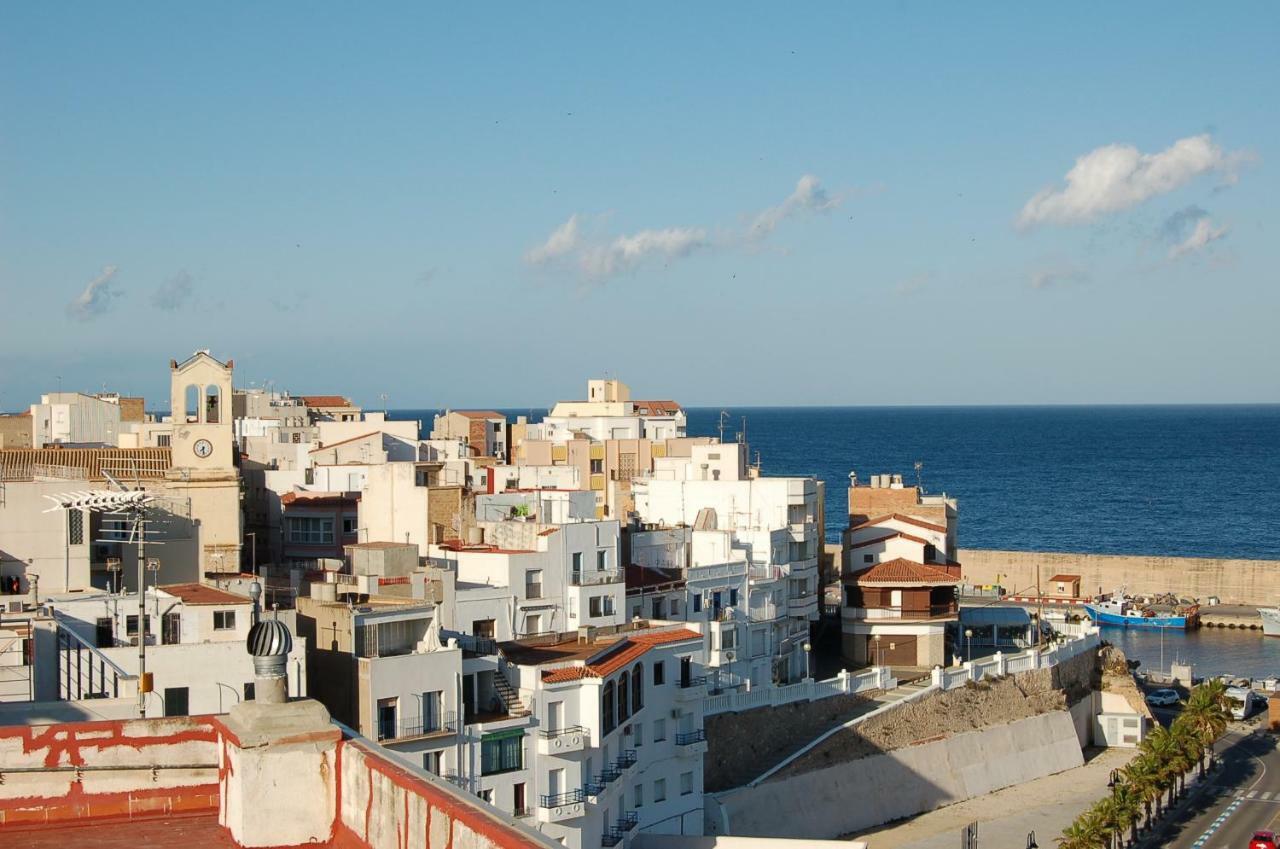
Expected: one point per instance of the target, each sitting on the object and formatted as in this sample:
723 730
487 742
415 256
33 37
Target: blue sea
1166 480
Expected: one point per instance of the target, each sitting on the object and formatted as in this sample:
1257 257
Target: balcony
562 806
608 775
413 728
764 573
592 789
626 759
898 614
590 578
691 688
804 607
765 612
691 743
563 741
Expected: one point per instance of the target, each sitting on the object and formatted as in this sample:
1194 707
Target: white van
1243 701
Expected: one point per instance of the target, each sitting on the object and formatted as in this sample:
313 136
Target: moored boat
1123 611
1270 621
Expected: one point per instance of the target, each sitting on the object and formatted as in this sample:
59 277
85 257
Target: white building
73 418
771 524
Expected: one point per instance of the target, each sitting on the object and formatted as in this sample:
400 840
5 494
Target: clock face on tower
202 447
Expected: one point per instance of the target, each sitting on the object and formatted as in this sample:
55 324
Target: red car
1263 840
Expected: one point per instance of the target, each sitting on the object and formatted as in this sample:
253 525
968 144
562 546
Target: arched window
190 405
637 687
212 404
624 706
606 709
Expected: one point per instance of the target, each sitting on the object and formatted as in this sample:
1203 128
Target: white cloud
809 196
1200 237
598 259
563 240
174 294
96 297
1118 176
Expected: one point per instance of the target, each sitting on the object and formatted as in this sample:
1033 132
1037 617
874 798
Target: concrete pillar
268 747
937 677
1002 665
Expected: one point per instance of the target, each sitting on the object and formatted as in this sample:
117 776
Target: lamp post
808 661
879 656
968 644
253 553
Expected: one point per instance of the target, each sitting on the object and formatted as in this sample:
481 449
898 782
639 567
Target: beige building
484 431
15 430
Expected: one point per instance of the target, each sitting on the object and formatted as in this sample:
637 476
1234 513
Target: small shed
1063 586
1000 627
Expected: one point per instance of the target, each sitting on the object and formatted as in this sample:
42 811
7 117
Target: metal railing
592 789
588 578
558 799
443 723
84 672
692 681
626 758
552 733
608 774
688 738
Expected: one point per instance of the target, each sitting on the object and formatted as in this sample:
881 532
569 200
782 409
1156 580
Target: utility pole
144 684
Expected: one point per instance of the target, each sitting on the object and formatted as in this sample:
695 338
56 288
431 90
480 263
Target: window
659 730
131 625
176 701
733 598
432 718
728 638
637 734
867 558
350 524
596 606
104 633
433 762
697 602
930 553
533 583
608 605
637 796
637 687
164 440
224 620
502 752
686 783
75 527
606 708
518 803
660 790
310 530
387 725
624 706
659 673
602 560
597 467
577 565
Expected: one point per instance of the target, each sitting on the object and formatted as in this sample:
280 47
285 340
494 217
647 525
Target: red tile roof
480 548
480 414
344 442
910 520
319 498
656 408
202 594
902 572
326 401
888 536
1066 579
620 655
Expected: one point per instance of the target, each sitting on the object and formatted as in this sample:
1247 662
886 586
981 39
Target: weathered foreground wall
866 792
1233 581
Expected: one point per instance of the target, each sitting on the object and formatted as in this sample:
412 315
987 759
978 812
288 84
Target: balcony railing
592 789
589 578
932 612
692 681
626 758
688 738
559 799
612 837
628 821
608 774
413 726
552 733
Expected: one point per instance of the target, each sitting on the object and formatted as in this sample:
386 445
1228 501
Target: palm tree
1142 777
1190 749
1111 817
1165 753
1206 713
1127 805
1087 832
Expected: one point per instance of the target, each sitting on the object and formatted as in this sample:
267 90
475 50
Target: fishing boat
1123 611
1270 621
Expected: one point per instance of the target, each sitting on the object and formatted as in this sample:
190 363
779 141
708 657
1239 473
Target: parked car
1163 697
1263 840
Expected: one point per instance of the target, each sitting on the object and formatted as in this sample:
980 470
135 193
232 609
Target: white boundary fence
1082 638
876 678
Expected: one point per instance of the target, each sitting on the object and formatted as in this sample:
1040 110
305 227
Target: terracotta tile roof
910 520
1066 579
318 497
902 572
326 401
21 463
344 442
620 655
888 536
480 414
656 408
202 594
480 548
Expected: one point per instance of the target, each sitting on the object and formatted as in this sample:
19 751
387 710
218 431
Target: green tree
1143 776
1128 806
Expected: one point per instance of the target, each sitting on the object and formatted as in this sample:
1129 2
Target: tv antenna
919 465
724 415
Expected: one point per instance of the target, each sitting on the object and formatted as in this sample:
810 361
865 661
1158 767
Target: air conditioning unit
15 606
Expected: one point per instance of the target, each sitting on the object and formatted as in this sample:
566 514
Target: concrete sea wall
859 794
1234 581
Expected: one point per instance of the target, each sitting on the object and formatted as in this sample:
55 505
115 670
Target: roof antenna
919 476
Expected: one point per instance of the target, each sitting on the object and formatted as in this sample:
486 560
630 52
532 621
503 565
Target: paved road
1241 798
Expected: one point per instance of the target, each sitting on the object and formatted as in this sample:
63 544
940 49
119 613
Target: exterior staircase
509 695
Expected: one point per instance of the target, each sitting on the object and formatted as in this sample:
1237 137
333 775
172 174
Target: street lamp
253 553
968 642
808 661
879 657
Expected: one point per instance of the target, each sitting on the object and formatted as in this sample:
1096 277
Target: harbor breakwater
1232 580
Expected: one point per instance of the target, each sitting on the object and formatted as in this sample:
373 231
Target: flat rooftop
190 830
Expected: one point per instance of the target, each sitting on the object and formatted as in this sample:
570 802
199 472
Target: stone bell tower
203 449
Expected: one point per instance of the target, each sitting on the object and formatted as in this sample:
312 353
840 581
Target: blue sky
732 203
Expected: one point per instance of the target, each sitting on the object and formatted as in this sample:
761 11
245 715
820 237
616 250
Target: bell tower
204 468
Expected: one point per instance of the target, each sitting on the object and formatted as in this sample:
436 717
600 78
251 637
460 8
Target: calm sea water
1181 481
